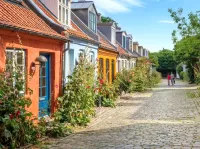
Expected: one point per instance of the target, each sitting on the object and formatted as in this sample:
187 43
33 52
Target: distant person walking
169 79
172 79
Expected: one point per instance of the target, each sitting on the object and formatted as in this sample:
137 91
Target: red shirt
169 77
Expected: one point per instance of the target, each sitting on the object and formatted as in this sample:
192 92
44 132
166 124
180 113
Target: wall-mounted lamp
41 59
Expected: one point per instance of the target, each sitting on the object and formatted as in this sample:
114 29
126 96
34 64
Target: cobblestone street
162 118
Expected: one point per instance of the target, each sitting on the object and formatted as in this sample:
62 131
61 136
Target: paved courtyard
162 118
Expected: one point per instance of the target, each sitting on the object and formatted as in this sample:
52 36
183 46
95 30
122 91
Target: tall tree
187 49
166 60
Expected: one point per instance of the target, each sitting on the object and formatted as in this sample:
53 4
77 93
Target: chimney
99 18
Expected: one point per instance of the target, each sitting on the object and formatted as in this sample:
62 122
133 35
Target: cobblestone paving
167 119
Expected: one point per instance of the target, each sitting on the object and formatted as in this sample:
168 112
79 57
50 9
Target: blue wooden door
44 88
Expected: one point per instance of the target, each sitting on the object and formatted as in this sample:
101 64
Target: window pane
66 2
20 58
107 70
63 15
43 81
66 16
43 71
9 57
44 91
63 1
60 13
113 70
101 67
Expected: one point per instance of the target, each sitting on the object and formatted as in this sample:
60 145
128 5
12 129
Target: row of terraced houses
59 31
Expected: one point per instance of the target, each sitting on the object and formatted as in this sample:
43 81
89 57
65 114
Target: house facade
24 40
127 58
108 52
133 54
83 39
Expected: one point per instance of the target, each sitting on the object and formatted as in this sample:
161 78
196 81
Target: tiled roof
77 32
73 31
104 43
47 12
121 50
23 18
84 28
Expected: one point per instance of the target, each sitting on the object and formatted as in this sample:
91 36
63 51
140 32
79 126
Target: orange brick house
25 34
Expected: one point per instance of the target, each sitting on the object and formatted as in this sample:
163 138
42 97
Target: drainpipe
67 48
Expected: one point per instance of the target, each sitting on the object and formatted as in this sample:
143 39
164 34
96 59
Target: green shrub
138 79
181 75
123 80
185 77
155 78
179 68
142 76
106 92
76 106
197 79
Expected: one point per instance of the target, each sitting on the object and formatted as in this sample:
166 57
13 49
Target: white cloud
166 21
117 6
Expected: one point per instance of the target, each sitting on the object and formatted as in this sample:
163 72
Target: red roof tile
48 13
21 17
77 32
104 43
121 50
73 31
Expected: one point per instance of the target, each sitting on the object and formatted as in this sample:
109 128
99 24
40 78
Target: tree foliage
106 19
153 57
187 49
166 59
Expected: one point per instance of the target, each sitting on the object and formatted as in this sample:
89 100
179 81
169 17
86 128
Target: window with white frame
92 21
81 53
63 12
124 41
15 61
92 57
15 58
130 45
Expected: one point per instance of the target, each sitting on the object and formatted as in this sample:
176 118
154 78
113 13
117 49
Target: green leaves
76 106
17 123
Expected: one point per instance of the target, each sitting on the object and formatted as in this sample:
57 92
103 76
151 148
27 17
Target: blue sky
147 20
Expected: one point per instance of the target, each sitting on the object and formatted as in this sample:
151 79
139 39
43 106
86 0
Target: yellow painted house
107 56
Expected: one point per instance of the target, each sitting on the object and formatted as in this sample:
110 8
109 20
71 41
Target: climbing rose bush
16 123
